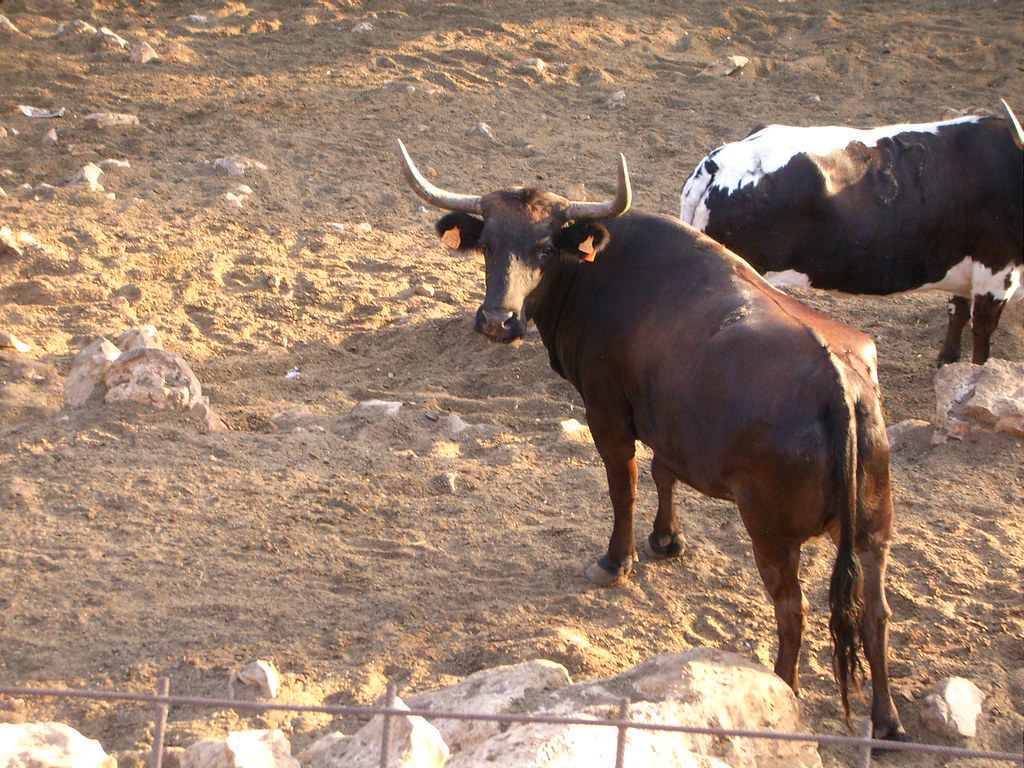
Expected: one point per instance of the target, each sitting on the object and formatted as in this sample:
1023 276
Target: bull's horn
451 201
612 208
1018 132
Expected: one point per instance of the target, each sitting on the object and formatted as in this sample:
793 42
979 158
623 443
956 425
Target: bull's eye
545 252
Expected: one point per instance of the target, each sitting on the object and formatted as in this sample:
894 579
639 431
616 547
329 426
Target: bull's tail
846 588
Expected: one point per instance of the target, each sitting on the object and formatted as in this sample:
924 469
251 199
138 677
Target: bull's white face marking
789 278
748 161
969 278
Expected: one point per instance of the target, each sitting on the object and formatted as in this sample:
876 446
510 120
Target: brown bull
740 391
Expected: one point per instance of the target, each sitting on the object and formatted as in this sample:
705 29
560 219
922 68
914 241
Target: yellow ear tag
452 238
587 248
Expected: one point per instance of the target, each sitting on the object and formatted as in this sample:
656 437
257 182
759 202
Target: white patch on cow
748 161
971 278
788 278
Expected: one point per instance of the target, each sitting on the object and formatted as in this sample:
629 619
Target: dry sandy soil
138 545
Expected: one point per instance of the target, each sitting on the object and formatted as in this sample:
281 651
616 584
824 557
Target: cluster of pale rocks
701 688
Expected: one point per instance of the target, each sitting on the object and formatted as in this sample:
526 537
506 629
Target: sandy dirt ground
138 545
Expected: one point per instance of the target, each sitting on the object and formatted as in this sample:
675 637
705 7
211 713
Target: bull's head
519 232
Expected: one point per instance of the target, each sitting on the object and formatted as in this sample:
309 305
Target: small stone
362 228
448 481
39 112
425 289
724 67
109 163
902 434
101 120
49 138
362 27
269 748
236 166
482 129
534 65
260 677
273 282
84 382
7 340
76 27
234 199
143 337
616 101
372 407
297 419
209 417
198 18
7 27
143 53
455 424
575 431
153 377
9 245
110 37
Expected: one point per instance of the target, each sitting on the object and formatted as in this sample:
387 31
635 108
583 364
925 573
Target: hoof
890 733
604 572
673 547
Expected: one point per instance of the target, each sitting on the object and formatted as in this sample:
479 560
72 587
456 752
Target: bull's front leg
619 458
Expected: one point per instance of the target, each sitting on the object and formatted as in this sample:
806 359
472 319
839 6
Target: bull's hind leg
779 565
665 540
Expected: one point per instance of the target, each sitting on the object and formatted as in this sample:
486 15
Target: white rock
415 743
574 431
489 692
144 336
259 677
373 407
953 707
49 138
90 175
110 120
39 112
9 245
363 228
244 749
482 129
109 163
235 200
152 377
362 27
210 418
979 398
448 481
535 65
7 27
297 419
455 423
236 166
616 101
425 289
50 745
7 340
724 67
702 687
143 53
76 27
110 37
86 376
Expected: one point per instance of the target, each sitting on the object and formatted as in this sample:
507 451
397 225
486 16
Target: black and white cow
876 211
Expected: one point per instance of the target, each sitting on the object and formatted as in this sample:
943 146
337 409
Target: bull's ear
584 239
459 231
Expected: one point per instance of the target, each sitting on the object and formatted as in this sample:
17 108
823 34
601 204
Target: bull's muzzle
501 325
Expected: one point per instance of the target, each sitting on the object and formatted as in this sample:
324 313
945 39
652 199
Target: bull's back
892 214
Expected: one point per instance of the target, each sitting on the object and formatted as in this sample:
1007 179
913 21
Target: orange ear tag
452 238
587 249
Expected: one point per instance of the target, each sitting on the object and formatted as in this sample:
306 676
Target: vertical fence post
864 758
385 731
620 745
157 755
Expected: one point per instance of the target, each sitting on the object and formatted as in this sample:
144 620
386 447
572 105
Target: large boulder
489 692
415 743
243 749
50 745
979 398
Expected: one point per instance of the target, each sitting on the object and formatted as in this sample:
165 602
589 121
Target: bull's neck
554 304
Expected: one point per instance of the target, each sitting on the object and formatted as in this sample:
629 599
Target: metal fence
164 701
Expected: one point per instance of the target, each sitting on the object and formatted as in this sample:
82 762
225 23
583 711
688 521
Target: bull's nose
497 318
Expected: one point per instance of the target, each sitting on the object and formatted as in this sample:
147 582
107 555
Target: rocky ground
255 215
